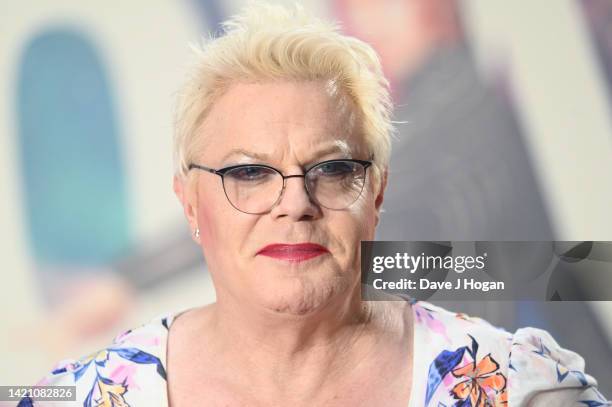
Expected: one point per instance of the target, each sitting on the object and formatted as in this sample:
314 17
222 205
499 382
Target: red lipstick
293 252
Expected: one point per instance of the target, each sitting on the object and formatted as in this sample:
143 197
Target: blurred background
504 133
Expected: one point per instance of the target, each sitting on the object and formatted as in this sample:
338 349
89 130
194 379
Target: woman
282 145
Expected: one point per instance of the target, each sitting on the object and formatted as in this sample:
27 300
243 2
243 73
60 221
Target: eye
250 173
334 169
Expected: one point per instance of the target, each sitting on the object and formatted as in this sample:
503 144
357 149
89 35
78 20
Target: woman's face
289 126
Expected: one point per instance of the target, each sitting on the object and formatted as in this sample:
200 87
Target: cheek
223 230
354 225
206 222
210 237
211 214
363 216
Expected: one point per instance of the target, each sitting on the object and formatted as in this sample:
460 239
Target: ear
188 199
381 194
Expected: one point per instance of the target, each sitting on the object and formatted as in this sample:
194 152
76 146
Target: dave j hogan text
465 284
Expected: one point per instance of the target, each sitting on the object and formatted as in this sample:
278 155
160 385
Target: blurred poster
598 15
459 167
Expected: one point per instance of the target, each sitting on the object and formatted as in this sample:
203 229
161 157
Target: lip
293 252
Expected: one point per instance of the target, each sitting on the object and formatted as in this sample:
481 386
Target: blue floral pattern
459 361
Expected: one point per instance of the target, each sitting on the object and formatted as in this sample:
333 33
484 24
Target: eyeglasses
256 188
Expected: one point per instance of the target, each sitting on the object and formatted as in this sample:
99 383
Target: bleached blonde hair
270 43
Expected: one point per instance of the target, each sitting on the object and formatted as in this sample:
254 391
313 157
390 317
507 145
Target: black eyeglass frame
222 171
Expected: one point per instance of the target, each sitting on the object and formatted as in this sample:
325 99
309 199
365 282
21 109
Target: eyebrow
250 154
338 146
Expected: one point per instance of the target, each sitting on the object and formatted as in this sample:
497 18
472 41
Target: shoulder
445 326
470 360
134 363
545 373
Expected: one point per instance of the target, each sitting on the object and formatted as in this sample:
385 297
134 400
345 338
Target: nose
295 202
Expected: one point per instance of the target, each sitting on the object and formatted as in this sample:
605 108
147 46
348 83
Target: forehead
278 119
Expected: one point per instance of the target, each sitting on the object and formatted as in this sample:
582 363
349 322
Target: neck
287 333
294 351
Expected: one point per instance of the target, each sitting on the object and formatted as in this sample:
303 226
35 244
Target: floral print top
458 361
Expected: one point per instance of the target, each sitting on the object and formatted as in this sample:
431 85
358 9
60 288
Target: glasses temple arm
201 167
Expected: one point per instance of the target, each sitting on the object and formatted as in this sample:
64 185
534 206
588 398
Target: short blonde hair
270 42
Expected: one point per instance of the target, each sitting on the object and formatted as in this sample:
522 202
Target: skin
298 331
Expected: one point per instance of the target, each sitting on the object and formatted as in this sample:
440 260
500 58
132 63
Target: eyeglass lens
333 185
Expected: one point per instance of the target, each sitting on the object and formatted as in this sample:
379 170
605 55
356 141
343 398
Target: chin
302 296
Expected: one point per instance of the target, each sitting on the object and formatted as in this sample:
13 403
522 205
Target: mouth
293 252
